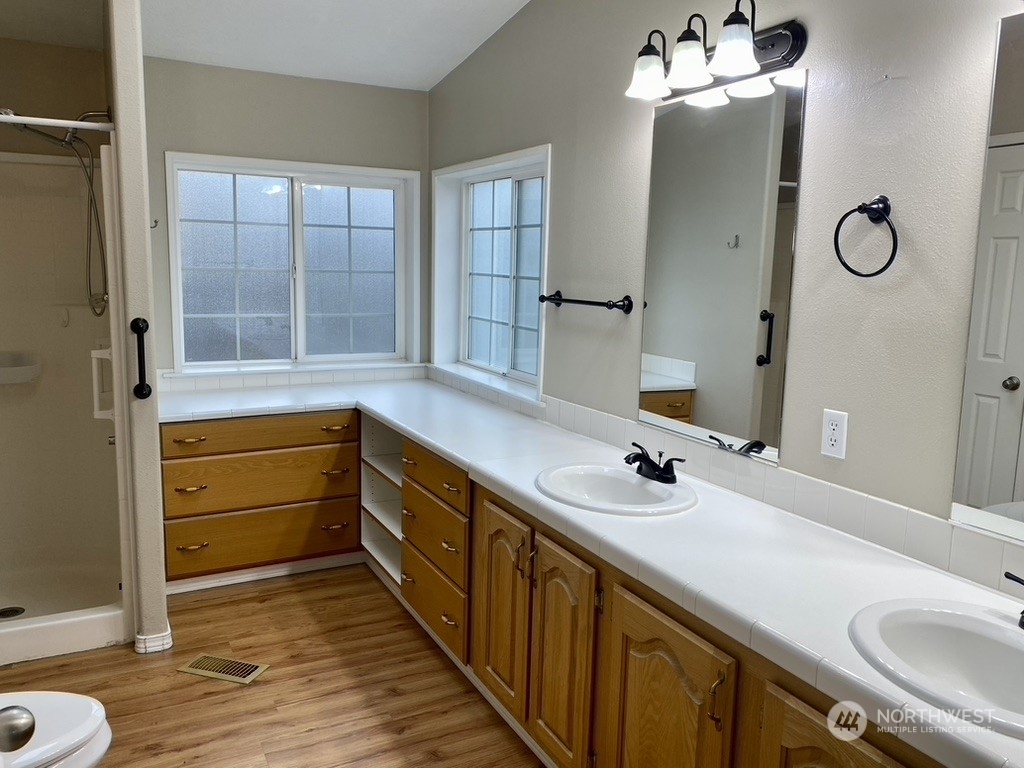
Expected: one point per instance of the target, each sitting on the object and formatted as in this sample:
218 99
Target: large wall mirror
988 487
724 184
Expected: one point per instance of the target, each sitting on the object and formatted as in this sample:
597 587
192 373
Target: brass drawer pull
409 462
676 405
450 488
192 489
189 440
335 527
334 428
713 705
333 472
448 619
447 547
407 578
407 513
193 547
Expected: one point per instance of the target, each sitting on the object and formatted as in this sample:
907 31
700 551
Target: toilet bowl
71 731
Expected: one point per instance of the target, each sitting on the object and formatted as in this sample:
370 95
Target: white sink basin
613 490
955 656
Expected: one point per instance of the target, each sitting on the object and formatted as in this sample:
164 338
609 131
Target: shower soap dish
19 367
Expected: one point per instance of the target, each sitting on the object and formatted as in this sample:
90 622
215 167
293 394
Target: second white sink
613 490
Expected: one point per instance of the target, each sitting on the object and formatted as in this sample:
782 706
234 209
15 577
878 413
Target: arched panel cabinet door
797 736
670 696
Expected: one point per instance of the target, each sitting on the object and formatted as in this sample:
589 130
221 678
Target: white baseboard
154 643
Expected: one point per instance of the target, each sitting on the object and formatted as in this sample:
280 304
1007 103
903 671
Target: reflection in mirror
719 264
988 486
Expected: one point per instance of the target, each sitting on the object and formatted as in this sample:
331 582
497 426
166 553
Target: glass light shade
648 79
689 66
792 78
752 89
707 99
734 54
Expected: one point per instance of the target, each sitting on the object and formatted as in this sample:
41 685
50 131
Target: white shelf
388 466
382 547
388 514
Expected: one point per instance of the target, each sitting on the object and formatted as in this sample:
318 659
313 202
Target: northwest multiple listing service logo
847 720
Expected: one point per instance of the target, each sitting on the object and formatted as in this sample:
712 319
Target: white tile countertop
780 584
660 382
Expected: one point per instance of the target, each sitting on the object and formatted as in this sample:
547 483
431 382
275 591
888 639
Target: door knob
1011 384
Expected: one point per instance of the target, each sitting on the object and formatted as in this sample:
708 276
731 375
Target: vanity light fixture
734 54
690 58
753 88
791 78
649 71
707 99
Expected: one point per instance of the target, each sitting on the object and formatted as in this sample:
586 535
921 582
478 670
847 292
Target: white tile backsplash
780 488
928 539
811 499
846 510
885 523
976 556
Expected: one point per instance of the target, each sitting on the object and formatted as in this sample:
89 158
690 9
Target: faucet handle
1015 578
642 449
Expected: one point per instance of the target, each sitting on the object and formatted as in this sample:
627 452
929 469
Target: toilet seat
67 726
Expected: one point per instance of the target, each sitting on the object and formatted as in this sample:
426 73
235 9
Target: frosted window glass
264 292
502 299
324 204
327 293
328 335
373 250
503 252
479 341
480 258
264 246
208 292
527 305
528 253
373 207
483 194
209 339
499 346
207 245
262 199
206 196
373 293
503 203
265 338
480 297
373 334
326 248
525 354
531 201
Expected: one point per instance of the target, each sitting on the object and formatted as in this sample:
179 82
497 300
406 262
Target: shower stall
63 518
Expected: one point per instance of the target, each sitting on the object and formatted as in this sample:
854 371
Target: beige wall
50 81
897 104
220 111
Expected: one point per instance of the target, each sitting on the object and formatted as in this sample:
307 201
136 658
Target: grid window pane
206 196
527 305
503 251
327 293
524 357
265 292
479 341
503 203
483 204
373 293
480 296
480 252
262 199
208 291
207 245
373 250
326 248
330 335
210 339
501 299
324 204
263 246
373 334
528 252
531 201
373 207
499 345
265 338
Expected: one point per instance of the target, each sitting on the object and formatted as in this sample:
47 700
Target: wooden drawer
439 602
259 479
440 477
260 536
437 530
674 405
207 438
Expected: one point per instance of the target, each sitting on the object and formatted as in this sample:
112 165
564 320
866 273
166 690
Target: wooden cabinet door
501 606
670 694
561 653
796 736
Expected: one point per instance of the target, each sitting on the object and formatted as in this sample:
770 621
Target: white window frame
450 253
407 254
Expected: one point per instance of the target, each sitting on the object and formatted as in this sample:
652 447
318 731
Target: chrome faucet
651 469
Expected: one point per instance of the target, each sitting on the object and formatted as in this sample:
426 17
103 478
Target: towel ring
877 211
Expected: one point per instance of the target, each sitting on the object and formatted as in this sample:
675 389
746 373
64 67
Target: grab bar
139 327
766 358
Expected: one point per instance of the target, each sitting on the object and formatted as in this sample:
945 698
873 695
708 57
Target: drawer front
674 405
208 438
259 479
439 602
437 530
440 477
260 536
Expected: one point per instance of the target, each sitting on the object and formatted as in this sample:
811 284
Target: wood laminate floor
353 681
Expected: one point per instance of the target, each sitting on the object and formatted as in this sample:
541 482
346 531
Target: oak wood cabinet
796 736
253 491
533 629
670 693
677 404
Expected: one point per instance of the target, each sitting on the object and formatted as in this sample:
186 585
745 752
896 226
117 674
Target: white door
990 421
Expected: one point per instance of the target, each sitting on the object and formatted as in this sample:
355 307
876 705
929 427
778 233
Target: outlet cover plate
833 434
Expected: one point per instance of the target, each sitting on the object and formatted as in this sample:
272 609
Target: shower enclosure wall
60 517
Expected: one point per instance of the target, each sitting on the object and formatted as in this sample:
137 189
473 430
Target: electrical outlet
833 434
